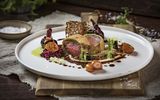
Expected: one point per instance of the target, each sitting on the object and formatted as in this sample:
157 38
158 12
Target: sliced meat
96 43
73 44
72 47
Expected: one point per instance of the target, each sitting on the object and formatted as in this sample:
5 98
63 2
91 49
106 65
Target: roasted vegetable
127 48
51 46
47 37
97 65
93 66
48 42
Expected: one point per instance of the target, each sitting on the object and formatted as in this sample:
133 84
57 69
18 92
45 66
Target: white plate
43 67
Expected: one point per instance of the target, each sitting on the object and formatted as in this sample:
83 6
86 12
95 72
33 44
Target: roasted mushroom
127 48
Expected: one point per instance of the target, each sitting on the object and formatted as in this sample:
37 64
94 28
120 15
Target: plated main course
84 45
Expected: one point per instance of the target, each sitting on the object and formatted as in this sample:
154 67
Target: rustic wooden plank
114 87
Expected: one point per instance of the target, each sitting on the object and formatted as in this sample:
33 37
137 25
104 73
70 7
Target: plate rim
88 78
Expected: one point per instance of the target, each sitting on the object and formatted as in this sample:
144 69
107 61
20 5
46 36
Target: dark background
140 7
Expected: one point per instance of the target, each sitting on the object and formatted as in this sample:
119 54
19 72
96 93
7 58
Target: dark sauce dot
69 66
56 62
72 66
118 61
79 68
64 65
60 39
111 65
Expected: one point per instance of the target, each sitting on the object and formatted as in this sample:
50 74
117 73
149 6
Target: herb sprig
122 19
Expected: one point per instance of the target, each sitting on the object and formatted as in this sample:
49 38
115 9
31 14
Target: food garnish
50 46
84 46
89 67
127 48
97 65
75 27
93 66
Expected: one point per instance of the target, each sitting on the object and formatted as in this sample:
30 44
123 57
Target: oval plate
128 65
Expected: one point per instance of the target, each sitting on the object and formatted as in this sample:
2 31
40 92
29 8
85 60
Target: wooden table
12 89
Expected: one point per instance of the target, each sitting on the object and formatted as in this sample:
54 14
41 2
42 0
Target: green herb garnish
83 54
110 49
111 42
122 19
110 54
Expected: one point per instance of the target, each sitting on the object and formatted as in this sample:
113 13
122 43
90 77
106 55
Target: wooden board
130 85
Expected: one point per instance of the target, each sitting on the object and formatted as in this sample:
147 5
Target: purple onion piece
97 29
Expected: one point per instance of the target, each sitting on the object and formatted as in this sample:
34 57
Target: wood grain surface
130 85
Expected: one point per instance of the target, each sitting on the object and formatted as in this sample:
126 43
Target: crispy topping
75 27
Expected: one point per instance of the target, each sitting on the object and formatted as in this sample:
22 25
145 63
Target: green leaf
110 43
40 2
8 7
110 48
109 54
122 19
12 5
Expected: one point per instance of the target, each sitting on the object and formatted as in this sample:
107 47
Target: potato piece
89 68
97 65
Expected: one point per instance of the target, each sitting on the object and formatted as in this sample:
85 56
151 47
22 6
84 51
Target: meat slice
96 43
74 43
72 47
